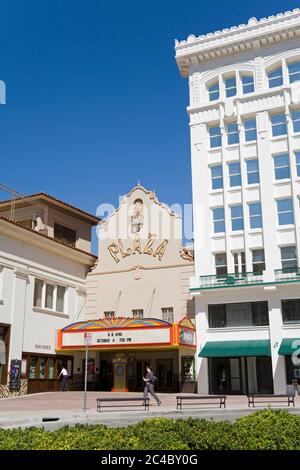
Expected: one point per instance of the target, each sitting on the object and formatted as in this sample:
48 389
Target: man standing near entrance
150 380
64 380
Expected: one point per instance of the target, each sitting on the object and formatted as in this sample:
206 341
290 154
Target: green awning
236 348
289 346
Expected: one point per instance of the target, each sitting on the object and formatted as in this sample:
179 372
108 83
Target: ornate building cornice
237 39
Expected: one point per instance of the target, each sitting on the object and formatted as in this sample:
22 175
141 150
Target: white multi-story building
244 112
45 255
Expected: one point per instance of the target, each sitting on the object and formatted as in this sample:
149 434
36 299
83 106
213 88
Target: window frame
276 77
293 73
234 218
275 125
213 209
261 262
215 137
237 175
250 84
288 259
228 89
216 178
282 166
296 121
232 135
220 266
285 211
55 286
255 216
252 172
250 131
211 92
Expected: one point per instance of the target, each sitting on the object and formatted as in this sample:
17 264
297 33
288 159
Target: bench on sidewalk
139 401
206 400
266 398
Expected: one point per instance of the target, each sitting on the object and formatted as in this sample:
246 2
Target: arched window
247 83
213 91
275 77
294 71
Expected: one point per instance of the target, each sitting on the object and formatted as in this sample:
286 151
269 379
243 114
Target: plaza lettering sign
117 250
126 338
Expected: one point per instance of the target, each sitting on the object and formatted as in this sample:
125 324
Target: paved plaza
56 409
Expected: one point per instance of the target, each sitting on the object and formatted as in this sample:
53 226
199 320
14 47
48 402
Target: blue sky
95 101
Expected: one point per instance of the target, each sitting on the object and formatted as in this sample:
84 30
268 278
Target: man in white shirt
64 380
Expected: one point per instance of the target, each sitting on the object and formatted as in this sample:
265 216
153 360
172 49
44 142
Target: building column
201 362
278 363
18 315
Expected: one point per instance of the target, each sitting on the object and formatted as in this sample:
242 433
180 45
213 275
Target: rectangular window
64 234
234 174
232 133
109 314
282 166
296 120
42 368
290 311
51 364
216 176
38 288
279 126
60 298
285 211
168 314
214 92
239 263
252 171
288 258
230 86
237 219
32 368
215 137
219 219
250 129
297 155
294 72
138 313
255 215
238 315
247 84
49 296
258 261
275 78
221 264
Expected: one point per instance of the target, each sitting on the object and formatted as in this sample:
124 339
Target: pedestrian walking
150 380
64 380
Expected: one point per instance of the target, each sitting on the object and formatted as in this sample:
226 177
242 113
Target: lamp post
87 343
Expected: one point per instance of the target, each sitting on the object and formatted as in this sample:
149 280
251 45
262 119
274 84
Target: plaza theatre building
138 311
244 114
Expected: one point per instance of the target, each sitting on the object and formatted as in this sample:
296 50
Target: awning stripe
236 348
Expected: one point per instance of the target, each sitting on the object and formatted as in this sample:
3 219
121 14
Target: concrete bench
139 400
266 398
207 399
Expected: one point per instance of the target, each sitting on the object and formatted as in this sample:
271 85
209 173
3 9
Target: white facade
31 321
245 148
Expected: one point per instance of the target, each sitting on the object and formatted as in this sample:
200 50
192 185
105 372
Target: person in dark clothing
149 385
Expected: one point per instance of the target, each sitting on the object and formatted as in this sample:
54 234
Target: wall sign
117 250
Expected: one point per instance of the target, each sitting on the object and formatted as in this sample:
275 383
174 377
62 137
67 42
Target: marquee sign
126 333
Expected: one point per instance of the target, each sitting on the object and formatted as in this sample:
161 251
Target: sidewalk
66 408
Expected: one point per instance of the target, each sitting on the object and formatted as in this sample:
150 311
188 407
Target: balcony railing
287 275
230 280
